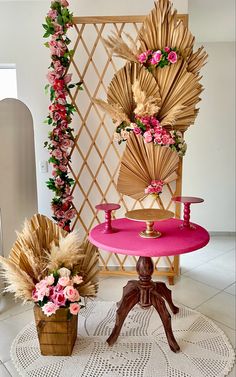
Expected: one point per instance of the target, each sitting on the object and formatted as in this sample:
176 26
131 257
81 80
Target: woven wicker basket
57 334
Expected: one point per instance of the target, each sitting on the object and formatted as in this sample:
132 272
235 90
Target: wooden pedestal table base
146 293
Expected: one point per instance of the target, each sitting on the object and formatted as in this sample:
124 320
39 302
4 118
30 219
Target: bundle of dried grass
143 162
43 247
120 48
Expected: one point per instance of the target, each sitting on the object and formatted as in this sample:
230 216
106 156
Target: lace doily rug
140 351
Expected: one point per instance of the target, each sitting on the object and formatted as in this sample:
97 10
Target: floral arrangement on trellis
152 99
61 139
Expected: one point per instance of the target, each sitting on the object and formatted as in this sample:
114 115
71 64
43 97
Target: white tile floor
207 284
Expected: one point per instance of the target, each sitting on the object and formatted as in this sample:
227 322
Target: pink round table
145 292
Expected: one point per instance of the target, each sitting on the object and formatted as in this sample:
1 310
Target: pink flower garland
58 21
159 58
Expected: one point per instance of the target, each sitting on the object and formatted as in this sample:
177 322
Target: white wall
209 165
22 43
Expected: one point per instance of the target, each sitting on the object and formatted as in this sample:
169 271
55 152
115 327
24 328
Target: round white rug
140 351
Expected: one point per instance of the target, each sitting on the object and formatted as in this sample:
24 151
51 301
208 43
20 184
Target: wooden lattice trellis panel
95 158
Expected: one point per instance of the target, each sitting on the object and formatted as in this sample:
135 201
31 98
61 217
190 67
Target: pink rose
74 308
156 57
142 58
66 143
167 49
67 78
147 136
63 168
51 76
57 153
137 130
70 214
59 299
35 295
42 292
52 14
71 293
64 281
49 308
172 57
64 3
77 279
59 182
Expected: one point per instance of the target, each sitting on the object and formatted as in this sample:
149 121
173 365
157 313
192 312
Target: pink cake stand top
187 199
107 206
126 239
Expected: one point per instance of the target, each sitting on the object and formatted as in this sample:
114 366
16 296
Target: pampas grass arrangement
42 248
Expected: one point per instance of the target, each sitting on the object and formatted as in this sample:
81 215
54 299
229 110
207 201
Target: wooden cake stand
149 216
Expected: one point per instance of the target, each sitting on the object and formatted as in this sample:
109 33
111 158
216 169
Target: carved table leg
159 305
131 296
164 292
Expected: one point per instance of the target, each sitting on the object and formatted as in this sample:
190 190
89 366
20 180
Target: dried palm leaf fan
143 162
121 103
42 247
178 83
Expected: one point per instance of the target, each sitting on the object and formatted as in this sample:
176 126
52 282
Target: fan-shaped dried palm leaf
197 60
162 28
115 111
120 89
179 88
120 48
18 281
143 162
88 269
144 105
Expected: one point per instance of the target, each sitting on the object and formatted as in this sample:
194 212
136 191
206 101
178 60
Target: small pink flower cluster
159 58
154 132
155 187
53 293
58 21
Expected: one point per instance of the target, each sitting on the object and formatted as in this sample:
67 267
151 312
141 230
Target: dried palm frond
197 60
144 105
121 49
114 110
162 28
88 269
18 282
120 89
143 162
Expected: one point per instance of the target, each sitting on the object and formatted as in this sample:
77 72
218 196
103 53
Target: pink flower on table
74 308
147 137
71 293
77 279
49 309
156 57
172 57
64 281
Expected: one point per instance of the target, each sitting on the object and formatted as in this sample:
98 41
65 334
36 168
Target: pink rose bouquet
58 290
155 187
159 58
151 130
